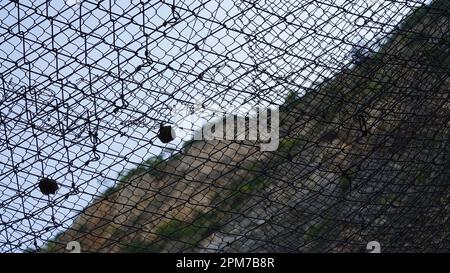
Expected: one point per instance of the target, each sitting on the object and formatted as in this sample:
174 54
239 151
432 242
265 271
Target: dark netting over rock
102 103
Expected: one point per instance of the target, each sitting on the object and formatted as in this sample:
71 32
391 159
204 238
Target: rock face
364 157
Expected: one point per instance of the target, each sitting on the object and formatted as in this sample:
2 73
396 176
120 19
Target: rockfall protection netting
362 89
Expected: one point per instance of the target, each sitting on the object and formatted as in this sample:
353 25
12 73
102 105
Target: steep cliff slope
363 157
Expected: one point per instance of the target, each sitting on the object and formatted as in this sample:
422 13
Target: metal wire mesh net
91 92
